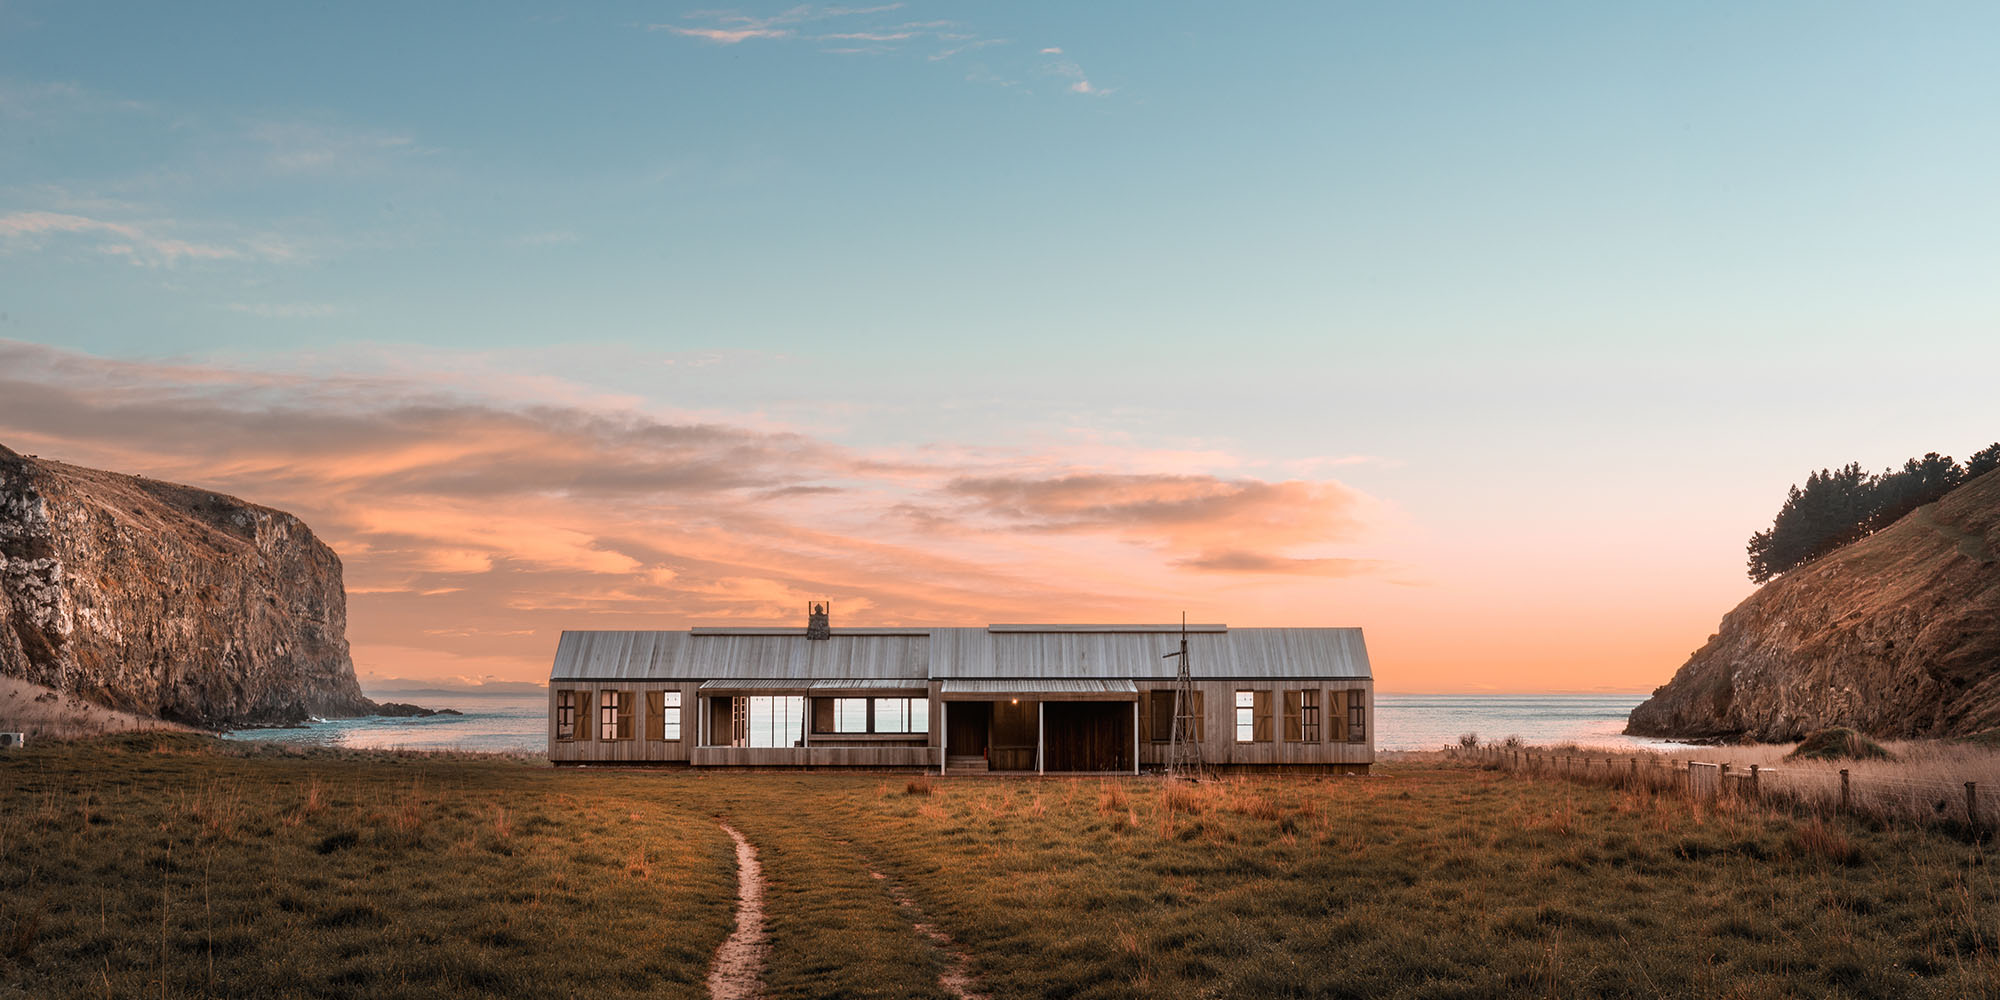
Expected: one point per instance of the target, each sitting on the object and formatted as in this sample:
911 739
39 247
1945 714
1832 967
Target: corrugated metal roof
735 684
1054 689
872 685
687 656
947 653
1243 652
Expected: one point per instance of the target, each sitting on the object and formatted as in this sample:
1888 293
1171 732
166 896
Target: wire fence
1924 800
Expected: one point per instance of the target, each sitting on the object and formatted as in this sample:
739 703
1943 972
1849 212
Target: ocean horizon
516 722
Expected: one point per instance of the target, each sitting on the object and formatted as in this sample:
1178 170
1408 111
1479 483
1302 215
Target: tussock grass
150 865
200 872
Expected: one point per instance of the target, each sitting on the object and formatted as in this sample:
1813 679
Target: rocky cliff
1897 634
167 600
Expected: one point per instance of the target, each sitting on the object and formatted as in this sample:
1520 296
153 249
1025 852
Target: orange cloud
474 529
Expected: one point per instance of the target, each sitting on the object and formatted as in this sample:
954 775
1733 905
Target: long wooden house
1012 698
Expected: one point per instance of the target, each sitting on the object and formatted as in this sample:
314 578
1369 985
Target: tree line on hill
1838 506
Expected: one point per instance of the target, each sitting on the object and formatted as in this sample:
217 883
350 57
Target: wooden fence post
1722 781
1972 805
1756 794
1843 789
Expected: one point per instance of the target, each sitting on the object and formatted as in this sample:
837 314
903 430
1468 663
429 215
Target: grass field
169 865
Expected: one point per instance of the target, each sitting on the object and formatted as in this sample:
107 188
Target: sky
1492 329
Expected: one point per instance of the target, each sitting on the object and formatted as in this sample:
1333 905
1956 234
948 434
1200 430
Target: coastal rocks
402 710
170 601
1895 635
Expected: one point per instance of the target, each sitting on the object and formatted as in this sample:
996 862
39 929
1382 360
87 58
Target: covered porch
1038 726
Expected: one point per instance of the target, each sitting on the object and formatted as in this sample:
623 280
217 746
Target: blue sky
1520 277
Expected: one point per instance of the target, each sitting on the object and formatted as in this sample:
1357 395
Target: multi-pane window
902 715
566 709
614 716
850 715
1302 716
1246 716
663 714
768 721
1357 717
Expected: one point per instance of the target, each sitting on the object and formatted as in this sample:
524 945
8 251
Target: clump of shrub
1838 743
918 786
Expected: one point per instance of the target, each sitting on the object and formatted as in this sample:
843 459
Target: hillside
1897 634
168 601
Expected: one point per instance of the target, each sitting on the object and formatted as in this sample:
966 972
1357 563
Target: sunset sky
1493 329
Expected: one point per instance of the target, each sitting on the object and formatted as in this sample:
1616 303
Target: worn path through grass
176 865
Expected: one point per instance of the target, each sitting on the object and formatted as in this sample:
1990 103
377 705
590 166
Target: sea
518 723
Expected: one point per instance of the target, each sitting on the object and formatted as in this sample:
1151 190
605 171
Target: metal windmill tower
1184 752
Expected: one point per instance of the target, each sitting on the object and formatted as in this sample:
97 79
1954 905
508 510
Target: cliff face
167 600
1896 635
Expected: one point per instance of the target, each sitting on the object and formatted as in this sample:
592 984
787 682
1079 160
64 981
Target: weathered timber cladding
1020 696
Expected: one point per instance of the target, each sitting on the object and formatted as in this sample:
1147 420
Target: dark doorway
1013 736
1087 736
966 726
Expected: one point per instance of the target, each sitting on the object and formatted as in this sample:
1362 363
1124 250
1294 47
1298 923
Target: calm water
1429 721
1402 722
491 723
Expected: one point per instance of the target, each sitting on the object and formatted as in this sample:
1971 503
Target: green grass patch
190 867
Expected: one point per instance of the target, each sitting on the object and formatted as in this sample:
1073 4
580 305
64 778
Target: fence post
1756 794
1972 805
1722 781
1843 789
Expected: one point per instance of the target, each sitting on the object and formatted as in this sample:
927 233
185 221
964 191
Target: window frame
1246 715
865 724
915 713
566 702
670 716
1357 715
614 716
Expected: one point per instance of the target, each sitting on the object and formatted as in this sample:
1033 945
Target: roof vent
817 626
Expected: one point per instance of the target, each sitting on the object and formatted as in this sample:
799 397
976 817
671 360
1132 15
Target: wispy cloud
285 310
141 243
836 30
1075 81
517 514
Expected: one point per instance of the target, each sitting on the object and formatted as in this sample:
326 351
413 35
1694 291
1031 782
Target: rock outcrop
1895 635
169 601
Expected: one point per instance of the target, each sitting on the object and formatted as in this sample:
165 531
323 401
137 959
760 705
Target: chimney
816 621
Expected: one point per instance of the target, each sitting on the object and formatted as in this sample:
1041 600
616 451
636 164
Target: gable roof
1104 652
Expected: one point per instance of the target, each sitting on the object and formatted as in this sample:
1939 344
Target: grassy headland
183 866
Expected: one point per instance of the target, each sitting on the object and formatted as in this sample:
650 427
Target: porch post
1039 716
1135 736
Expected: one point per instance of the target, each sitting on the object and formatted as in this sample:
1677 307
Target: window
850 715
768 722
1302 716
1253 716
615 716
670 716
566 711
1161 727
1357 717
902 715
1160 704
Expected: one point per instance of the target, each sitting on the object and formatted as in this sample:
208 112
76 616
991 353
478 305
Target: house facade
1002 698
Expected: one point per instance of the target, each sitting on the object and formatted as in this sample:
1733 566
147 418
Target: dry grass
208 871
1923 783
